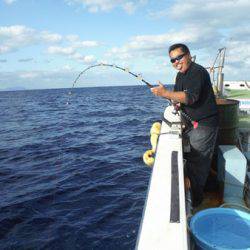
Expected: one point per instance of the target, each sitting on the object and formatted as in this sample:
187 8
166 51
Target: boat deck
211 200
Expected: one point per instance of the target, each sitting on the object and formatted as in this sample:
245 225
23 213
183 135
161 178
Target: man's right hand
160 90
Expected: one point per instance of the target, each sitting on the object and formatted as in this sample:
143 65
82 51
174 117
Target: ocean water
72 176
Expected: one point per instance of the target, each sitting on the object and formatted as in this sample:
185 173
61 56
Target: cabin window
227 85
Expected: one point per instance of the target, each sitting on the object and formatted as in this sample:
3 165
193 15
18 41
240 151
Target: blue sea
72 176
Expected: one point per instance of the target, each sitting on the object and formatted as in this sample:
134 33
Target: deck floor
211 199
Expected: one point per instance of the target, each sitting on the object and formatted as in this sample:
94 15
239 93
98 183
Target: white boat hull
163 224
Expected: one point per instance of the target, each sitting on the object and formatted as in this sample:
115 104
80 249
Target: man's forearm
179 96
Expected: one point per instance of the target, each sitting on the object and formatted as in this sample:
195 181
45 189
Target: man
193 90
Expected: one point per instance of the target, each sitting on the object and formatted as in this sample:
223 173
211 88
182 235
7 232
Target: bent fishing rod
138 76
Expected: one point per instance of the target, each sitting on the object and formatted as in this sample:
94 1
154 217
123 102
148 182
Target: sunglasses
178 58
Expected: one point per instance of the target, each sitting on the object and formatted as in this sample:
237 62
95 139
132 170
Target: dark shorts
202 143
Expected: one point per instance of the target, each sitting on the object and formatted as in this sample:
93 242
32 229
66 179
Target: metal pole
220 76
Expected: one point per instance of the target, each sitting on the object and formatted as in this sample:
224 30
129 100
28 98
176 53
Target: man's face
180 60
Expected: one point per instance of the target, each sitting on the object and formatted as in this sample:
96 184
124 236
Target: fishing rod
138 76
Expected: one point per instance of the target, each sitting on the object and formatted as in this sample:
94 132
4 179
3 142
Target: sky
46 44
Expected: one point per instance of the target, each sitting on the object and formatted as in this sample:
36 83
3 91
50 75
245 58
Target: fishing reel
172 116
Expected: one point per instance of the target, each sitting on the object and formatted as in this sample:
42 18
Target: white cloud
9 1
240 33
13 38
17 36
229 18
95 6
203 25
71 53
72 38
223 17
157 45
67 68
129 7
50 37
85 44
64 77
4 49
28 75
76 42
206 26
88 59
36 79
223 13
60 50
237 54
15 30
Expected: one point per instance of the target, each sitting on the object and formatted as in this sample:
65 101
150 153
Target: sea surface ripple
72 176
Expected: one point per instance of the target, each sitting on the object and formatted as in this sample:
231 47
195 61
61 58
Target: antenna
220 59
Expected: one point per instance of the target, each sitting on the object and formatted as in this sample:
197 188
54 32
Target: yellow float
148 156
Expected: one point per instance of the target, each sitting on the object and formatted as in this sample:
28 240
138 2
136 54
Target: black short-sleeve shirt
200 104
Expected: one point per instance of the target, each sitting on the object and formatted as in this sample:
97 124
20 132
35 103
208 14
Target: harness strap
170 124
